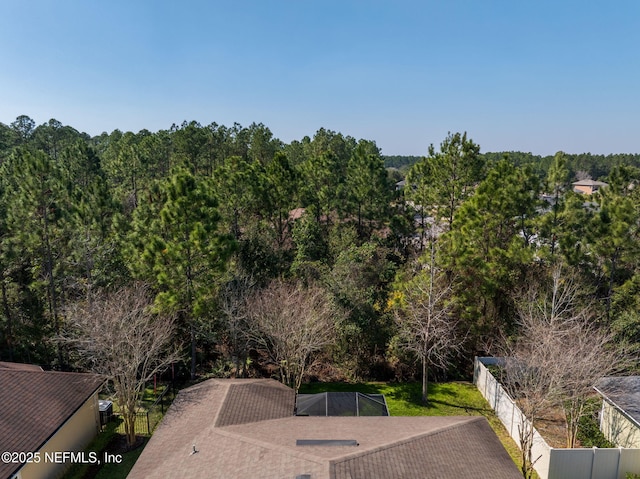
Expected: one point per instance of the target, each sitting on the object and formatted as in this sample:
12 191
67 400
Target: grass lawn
120 471
445 399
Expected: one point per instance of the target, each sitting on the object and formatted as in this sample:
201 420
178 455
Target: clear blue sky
539 76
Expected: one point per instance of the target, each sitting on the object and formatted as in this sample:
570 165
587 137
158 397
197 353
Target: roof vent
326 442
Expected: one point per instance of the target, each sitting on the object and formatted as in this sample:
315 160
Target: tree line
301 259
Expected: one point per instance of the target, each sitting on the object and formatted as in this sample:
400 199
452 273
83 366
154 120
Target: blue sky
525 75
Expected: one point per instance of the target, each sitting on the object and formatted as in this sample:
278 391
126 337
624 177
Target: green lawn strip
445 399
121 471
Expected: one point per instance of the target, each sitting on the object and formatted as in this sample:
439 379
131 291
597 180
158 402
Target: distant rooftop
624 393
589 183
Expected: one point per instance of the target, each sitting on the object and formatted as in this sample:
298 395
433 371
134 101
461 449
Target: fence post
148 425
486 378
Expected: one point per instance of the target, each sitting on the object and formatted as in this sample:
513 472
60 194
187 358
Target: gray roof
624 393
387 447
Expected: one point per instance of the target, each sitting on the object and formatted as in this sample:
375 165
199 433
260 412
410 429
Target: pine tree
176 246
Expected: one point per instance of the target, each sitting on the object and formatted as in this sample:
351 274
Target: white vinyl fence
509 414
553 463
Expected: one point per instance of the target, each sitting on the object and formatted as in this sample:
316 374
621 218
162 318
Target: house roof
296 213
34 404
589 183
19 366
624 393
387 447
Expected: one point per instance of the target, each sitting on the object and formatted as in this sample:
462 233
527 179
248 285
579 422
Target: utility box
106 411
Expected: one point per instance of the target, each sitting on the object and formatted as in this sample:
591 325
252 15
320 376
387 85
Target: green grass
444 399
120 471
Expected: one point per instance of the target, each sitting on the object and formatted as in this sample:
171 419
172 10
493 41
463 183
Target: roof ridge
225 392
35 371
288 450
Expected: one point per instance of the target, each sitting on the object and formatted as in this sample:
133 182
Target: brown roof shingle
274 400
34 404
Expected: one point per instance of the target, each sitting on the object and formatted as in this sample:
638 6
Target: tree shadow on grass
364 388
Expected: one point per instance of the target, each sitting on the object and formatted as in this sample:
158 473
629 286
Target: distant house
246 428
588 187
296 214
45 412
620 415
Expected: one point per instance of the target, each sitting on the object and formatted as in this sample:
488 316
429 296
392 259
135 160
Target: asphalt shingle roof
623 392
229 444
34 404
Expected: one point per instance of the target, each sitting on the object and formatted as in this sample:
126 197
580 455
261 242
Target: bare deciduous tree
289 323
557 358
426 326
118 336
233 305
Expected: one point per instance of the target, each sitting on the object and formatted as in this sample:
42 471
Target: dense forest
230 228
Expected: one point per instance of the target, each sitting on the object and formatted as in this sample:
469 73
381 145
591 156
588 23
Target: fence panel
571 464
551 463
605 463
593 463
509 414
629 462
142 423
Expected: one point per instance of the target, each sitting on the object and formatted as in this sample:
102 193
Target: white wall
509 414
618 428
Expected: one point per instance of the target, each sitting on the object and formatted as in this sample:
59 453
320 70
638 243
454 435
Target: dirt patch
553 429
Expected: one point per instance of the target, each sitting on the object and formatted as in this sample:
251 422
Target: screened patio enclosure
341 404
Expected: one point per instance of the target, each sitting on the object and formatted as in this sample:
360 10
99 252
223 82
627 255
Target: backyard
445 399
403 399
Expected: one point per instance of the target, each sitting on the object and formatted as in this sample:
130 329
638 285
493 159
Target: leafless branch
117 335
290 323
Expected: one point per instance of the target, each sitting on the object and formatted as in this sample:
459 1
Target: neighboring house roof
296 213
34 404
19 366
588 187
589 183
624 393
387 447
